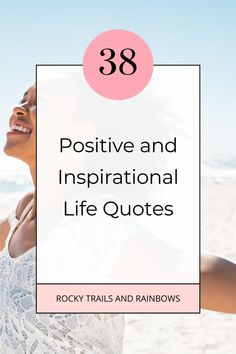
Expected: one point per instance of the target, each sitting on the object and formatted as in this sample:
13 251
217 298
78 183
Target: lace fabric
22 331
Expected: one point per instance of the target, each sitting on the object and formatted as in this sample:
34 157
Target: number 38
121 67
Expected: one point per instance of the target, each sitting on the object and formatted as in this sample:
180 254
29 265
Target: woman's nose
20 111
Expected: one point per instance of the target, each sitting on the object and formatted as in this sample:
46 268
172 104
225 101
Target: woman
24 331
21 329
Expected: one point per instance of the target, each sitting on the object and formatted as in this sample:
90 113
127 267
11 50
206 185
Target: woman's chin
12 151
6 150
19 154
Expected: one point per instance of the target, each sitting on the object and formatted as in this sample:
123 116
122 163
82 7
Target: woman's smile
19 128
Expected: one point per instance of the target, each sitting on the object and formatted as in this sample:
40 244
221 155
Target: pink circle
136 74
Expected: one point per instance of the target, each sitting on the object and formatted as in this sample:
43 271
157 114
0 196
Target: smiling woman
21 329
24 331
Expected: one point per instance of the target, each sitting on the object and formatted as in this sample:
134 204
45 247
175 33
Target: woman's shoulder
4 224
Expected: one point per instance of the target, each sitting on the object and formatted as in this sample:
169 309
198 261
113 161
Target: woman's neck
32 168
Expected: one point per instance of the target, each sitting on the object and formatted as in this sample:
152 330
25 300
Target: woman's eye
22 101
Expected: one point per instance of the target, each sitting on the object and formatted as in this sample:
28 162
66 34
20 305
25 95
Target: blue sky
201 32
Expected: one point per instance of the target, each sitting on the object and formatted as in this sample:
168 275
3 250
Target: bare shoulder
4 224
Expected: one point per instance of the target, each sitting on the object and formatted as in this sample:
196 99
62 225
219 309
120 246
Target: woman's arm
218 284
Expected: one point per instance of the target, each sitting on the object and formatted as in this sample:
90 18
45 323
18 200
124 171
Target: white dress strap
12 220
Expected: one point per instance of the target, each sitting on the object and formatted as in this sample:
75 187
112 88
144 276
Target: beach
205 333
209 332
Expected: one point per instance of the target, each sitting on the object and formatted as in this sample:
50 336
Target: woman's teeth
20 128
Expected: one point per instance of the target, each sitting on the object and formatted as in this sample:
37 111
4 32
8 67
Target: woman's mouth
15 128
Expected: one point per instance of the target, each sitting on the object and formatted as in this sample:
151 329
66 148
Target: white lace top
24 331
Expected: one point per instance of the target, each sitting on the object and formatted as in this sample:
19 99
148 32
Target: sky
177 32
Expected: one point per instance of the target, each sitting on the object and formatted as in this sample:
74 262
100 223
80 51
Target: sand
209 332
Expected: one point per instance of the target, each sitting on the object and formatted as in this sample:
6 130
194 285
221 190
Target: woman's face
20 141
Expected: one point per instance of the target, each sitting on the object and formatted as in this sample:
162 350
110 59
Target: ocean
219 169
